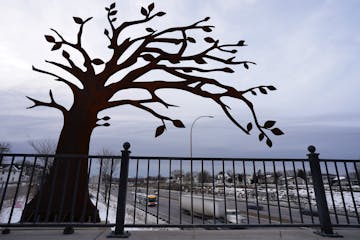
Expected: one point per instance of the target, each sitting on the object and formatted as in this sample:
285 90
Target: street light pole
192 125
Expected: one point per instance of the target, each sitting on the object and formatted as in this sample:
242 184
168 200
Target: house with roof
11 175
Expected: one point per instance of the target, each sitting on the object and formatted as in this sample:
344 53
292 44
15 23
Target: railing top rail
57 155
172 158
338 160
215 158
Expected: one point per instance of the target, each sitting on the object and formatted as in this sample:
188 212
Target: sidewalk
249 234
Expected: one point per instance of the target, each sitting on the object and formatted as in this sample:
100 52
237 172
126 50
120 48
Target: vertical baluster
202 190
277 191
98 190
267 193
181 188
256 192
287 192
30 183
213 190
17 189
246 195
351 191
52 191
67 163
136 187
358 182
341 193
75 191
41 190
158 194
169 203
191 191
147 190
86 198
297 191
331 192
109 195
307 193
235 192
223 178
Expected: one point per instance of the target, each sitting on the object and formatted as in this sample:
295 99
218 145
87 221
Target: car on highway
255 207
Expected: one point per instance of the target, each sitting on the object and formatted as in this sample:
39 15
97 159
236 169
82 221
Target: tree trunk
64 195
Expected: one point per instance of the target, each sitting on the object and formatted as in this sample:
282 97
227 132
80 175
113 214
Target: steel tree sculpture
95 94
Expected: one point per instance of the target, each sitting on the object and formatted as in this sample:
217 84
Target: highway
169 211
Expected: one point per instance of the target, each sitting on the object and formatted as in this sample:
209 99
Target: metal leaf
178 124
241 43
207 29
268 124
209 39
78 20
148 57
151 7
97 61
56 46
200 60
263 90
190 39
269 142
66 54
249 126
143 11
228 70
261 136
160 14
271 88
49 38
160 130
277 131
150 30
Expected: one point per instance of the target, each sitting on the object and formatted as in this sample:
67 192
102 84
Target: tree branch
76 72
72 86
52 103
77 46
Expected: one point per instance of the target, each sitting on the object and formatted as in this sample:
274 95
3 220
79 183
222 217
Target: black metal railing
161 192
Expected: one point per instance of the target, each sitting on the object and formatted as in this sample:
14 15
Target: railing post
121 203
319 190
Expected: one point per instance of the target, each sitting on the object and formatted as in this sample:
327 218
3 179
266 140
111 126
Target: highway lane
169 210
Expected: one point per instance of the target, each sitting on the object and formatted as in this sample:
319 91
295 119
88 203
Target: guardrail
167 192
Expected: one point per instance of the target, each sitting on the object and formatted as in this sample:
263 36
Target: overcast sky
309 50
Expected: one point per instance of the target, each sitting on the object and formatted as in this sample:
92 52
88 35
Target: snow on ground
305 196
109 215
6 210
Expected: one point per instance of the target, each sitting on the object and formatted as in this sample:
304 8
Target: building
14 173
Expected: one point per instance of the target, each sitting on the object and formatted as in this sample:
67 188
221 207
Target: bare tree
44 147
108 167
136 57
204 177
301 174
